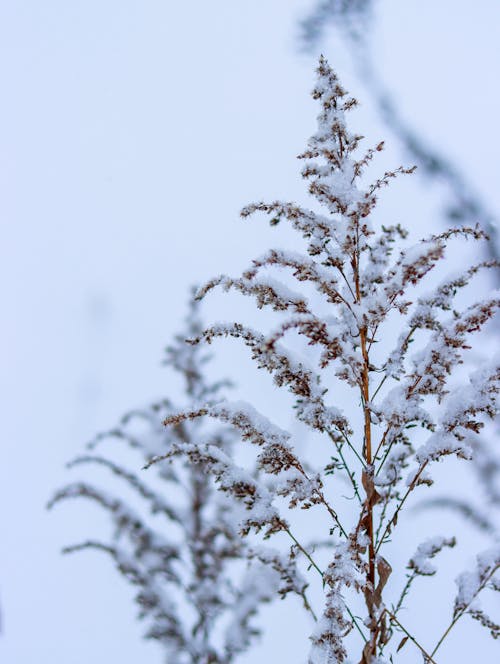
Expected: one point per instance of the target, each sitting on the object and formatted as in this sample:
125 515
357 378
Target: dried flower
413 409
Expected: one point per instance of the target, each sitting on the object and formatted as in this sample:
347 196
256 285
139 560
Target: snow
420 562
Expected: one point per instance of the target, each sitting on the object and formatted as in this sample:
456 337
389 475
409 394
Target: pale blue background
131 133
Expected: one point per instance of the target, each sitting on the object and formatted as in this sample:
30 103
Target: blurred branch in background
352 16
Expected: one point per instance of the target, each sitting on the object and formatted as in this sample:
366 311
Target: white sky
131 133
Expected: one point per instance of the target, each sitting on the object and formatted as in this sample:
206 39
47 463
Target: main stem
368 440
368 457
365 389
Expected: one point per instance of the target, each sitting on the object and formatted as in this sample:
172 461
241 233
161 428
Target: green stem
309 558
401 503
460 613
346 468
412 638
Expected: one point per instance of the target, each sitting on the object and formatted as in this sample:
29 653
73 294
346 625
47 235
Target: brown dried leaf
402 643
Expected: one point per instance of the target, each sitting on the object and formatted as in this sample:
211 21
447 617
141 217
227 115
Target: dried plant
356 283
353 20
184 554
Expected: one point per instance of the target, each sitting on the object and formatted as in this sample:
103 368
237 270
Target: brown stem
368 457
368 447
365 390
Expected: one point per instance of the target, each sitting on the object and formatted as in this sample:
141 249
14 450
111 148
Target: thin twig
460 613
378 388
347 282
351 446
324 502
404 592
346 468
308 606
308 556
412 638
401 503
305 552
382 441
333 514
382 517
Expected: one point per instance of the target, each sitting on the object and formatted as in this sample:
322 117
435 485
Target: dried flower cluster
185 561
414 407
353 20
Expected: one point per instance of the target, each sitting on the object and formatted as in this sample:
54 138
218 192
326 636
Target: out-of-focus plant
355 284
352 16
183 553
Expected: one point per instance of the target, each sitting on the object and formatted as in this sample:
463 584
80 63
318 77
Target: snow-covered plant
353 21
383 393
174 535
